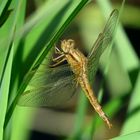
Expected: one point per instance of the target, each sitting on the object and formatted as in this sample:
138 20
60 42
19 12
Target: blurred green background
28 30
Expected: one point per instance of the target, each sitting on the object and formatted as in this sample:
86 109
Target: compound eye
71 42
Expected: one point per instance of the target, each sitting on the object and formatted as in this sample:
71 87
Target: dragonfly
54 85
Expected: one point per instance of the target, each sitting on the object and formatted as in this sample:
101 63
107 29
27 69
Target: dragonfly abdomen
84 82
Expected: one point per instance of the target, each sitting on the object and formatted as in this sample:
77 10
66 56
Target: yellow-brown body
78 63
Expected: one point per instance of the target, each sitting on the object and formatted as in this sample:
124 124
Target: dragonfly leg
58 51
57 58
57 63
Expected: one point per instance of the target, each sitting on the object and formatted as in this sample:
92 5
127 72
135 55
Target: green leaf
130 136
4 4
67 13
7 32
132 121
4 17
4 91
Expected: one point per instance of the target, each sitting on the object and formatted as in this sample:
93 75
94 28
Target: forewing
50 89
46 75
103 40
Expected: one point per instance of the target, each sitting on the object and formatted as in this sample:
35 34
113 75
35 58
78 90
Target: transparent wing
46 75
103 40
50 87
50 95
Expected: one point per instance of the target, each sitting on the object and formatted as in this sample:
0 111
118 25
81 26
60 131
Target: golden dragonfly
60 81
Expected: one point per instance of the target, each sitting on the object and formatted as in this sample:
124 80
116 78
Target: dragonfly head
66 45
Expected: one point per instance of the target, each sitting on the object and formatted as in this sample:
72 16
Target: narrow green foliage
130 136
4 90
72 13
27 42
133 114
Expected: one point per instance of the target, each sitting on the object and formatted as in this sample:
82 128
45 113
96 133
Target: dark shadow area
133 76
133 35
30 7
44 136
121 113
133 112
16 67
5 63
5 13
125 101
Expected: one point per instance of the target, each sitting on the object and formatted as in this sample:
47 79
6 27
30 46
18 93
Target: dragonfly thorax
67 45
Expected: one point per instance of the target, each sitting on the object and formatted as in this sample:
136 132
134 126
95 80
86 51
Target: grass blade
4 91
130 136
132 121
77 5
